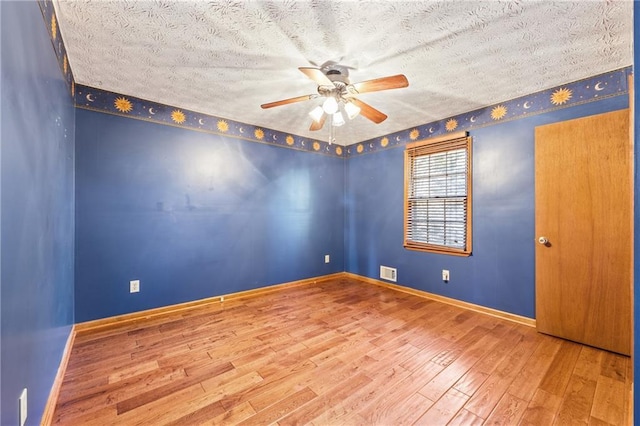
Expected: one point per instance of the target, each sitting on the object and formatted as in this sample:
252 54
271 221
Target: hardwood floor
338 352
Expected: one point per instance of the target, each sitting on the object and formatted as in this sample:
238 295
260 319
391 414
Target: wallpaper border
93 99
51 23
591 89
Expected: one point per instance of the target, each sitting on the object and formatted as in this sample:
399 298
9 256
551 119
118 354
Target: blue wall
37 203
500 272
194 215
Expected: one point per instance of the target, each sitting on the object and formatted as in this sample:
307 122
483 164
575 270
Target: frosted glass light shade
330 106
352 110
316 113
338 120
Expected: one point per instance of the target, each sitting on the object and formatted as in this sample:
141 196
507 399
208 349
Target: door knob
543 240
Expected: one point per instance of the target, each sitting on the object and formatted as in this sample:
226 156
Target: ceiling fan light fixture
316 113
338 120
352 110
330 106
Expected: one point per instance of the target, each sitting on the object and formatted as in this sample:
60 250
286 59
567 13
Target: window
437 193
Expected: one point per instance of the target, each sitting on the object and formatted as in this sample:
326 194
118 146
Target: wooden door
583 207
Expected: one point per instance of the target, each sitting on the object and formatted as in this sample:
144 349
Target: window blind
437 195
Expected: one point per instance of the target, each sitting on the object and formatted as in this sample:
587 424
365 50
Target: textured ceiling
226 58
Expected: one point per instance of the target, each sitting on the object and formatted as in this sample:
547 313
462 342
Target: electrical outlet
134 286
327 258
445 275
23 407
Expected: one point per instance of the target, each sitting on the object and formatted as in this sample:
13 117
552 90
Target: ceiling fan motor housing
339 76
335 72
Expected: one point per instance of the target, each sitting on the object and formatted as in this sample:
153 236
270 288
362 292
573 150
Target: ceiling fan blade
384 83
369 112
288 101
316 75
317 125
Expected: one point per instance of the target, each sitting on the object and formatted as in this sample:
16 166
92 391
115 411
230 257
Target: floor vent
387 273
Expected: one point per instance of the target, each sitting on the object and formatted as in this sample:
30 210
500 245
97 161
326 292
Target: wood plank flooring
334 353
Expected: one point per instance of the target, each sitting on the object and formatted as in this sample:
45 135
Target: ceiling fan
333 84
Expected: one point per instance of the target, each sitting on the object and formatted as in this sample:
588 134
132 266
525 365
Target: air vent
387 273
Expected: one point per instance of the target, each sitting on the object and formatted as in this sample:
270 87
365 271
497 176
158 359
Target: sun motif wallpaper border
51 23
614 83
94 99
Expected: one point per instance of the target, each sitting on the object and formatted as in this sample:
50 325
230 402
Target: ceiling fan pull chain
331 132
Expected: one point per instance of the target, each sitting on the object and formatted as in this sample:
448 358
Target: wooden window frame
427 147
